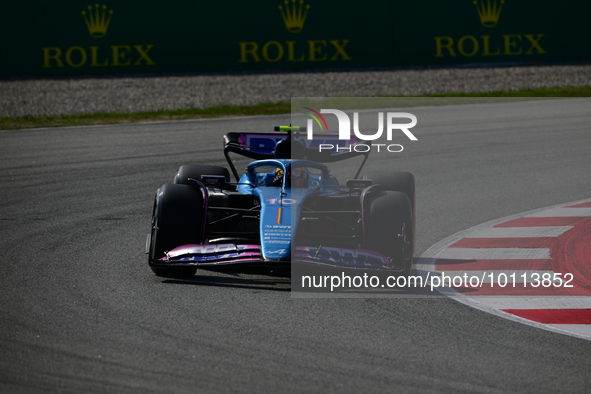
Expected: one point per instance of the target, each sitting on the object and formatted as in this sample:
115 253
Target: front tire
396 181
389 227
177 220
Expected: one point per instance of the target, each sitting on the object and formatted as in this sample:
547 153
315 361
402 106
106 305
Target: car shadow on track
245 278
281 280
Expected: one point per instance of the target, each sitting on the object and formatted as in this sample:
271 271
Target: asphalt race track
82 312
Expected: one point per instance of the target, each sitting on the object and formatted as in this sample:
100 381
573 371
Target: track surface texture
82 312
88 95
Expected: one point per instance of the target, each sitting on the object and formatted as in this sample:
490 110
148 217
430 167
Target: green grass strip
26 122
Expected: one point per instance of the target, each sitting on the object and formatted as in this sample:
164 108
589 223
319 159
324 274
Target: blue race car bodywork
282 210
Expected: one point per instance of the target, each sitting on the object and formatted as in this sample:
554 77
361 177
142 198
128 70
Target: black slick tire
396 181
177 220
389 227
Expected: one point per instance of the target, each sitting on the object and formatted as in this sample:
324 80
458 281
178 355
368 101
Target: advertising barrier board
83 38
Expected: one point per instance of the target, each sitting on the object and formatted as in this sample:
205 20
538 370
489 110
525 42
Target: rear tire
177 220
389 227
196 171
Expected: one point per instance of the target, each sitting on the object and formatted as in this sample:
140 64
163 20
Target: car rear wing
261 146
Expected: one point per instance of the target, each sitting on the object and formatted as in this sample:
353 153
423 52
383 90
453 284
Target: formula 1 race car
287 208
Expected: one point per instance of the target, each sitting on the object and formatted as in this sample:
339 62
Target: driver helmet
278 178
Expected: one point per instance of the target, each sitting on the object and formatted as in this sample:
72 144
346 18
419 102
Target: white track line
540 302
493 253
560 212
580 329
519 232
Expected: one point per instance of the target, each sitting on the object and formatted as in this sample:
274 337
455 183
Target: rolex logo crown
489 12
295 17
97 22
